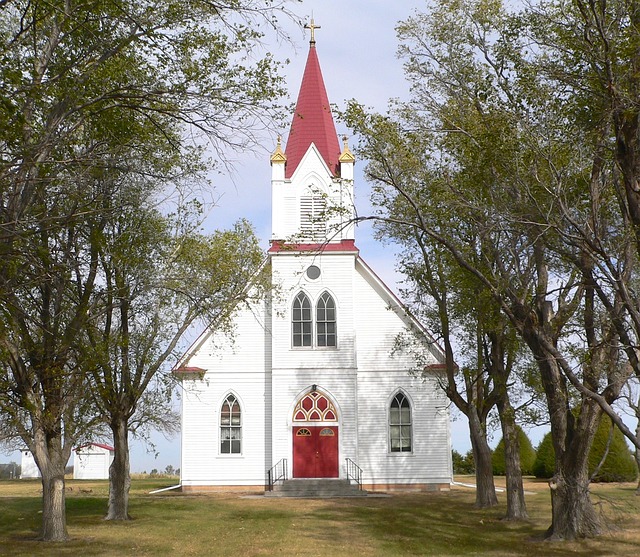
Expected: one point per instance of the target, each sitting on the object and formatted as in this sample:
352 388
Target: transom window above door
315 407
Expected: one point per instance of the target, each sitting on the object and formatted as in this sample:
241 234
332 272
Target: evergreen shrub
527 455
619 466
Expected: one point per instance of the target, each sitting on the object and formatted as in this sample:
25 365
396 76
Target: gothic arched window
400 424
230 426
301 320
326 320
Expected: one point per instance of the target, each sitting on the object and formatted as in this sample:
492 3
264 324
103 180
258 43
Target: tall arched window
230 426
326 321
301 320
400 424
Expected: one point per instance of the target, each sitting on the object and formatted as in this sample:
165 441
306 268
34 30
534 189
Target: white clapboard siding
234 364
92 461
429 461
335 278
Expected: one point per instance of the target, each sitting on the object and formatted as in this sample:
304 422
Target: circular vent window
313 272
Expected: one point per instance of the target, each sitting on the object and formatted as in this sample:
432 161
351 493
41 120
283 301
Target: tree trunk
54 520
573 514
516 506
636 453
485 487
119 476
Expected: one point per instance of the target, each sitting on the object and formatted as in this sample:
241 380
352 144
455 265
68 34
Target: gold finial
346 155
278 155
313 27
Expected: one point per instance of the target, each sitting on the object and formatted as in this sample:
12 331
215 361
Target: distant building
29 468
92 461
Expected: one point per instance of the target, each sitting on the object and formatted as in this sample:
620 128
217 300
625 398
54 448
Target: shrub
544 464
619 465
463 464
527 455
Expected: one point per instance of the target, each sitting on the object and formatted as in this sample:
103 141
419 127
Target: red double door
315 452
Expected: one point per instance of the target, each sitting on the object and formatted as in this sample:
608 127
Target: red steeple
312 119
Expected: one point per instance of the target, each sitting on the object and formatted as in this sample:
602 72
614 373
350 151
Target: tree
544 464
503 155
463 464
156 286
610 459
92 91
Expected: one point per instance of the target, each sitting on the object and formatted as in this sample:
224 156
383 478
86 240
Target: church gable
388 335
238 348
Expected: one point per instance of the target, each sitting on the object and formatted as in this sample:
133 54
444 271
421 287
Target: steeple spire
312 120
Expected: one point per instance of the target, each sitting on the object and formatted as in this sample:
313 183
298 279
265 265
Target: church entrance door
315 452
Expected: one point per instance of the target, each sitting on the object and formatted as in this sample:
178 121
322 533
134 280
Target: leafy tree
458 306
527 455
156 286
497 156
610 459
93 91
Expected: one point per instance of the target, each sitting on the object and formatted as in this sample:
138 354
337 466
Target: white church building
310 383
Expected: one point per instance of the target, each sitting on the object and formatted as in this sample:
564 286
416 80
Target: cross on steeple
312 26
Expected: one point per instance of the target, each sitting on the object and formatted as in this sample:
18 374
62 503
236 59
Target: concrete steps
316 488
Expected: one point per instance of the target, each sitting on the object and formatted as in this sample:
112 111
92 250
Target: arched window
230 426
313 207
400 424
326 321
301 320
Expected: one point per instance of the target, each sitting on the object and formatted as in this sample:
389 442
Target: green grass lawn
171 523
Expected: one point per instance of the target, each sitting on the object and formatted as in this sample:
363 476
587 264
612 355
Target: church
313 381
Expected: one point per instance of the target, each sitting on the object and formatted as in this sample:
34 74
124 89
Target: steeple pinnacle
312 26
312 120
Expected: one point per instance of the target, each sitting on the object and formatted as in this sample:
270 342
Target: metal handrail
354 472
276 473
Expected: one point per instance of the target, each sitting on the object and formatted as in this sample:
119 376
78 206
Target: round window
313 272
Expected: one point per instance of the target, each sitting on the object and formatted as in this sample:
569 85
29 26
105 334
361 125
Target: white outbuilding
28 468
92 461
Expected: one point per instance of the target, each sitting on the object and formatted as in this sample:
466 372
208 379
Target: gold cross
313 27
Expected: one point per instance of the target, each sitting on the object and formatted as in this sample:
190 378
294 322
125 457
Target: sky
356 45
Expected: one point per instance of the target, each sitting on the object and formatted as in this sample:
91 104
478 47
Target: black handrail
276 473
354 472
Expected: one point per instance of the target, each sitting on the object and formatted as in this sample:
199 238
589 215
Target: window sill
314 348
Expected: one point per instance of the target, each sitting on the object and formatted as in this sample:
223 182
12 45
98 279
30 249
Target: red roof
312 120
101 445
343 245
189 369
